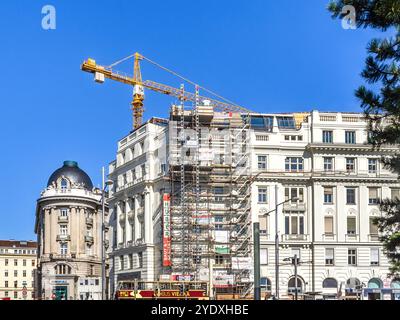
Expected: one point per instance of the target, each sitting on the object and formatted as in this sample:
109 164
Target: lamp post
277 238
105 184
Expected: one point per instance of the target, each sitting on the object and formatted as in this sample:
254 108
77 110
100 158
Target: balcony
89 239
63 219
298 206
63 237
294 237
89 221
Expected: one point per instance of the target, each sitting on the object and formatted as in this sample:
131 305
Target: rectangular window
6 262
262 162
350 137
218 192
121 262
15 294
263 256
328 225
395 194
63 230
33 263
351 226
262 195
350 164
287 138
327 136
294 223
15 273
219 259
24 263
372 165
15 284
24 273
63 248
350 196
294 192
263 225
329 256
140 259
131 261
64 212
328 195
6 273
293 164
373 228
286 123
15 262
352 257
6 284
328 164
373 196
374 256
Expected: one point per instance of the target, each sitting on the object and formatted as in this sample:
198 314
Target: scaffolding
210 183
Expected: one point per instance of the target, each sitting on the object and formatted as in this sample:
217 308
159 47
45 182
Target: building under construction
187 190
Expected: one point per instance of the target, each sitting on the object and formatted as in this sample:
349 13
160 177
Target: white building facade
321 158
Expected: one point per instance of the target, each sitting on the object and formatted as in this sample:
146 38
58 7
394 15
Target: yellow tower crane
102 72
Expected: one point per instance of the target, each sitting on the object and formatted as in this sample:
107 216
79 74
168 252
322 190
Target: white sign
240 263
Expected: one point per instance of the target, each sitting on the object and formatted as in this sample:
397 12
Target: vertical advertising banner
166 230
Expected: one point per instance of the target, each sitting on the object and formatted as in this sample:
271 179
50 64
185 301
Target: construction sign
166 230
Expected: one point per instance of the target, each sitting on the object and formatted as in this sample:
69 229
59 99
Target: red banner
167 230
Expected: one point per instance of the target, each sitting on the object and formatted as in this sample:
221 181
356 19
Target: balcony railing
63 237
301 206
89 239
294 237
62 218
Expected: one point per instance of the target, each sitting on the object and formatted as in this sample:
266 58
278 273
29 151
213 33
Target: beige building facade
17 269
68 226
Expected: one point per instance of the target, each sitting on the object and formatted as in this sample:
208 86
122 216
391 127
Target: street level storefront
382 290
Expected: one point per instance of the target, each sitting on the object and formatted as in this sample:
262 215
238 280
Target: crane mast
101 72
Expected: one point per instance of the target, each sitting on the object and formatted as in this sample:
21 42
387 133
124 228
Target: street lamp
294 261
105 184
277 238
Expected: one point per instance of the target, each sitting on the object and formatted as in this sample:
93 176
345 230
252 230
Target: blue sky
269 56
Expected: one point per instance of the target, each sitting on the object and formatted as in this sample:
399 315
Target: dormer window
64 184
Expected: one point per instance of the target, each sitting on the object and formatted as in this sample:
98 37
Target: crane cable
175 74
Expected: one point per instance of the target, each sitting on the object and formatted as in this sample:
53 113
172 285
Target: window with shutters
373 196
351 226
373 228
263 225
374 256
395 193
328 225
329 256
263 256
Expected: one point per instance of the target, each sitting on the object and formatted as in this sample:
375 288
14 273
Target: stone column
73 229
148 215
53 231
46 233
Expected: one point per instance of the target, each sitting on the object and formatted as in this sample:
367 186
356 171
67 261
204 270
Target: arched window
62 269
375 283
265 284
329 283
395 284
292 286
64 184
352 283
